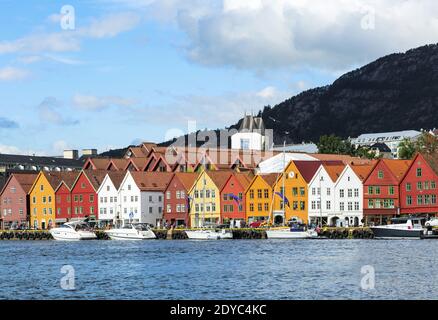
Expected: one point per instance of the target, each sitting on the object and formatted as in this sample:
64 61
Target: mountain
396 92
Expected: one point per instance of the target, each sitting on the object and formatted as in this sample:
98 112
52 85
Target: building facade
108 199
418 189
259 197
14 200
233 198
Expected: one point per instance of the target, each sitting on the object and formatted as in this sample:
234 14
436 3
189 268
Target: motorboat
400 228
132 231
431 223
209 234
295 231
72 231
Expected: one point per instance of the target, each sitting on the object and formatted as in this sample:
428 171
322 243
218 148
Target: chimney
71 154
89 152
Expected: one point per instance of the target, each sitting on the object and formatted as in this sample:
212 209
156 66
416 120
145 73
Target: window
178 194
420 199
328 191
50 199
419 185
341 193
196 194
150 199
408 187
433 185
356 193
183 208
82 185
433 199
91 198
168 195
42 187
251 207
313 205
259 193
419 172
225 197
244 144
259 207
313 191
328 205
81 198
350 206
426 185
408 200
377 190
350 193
426 199
207 193
107 188
33 199
129 187
91 210
150 210
295 191
370 203
44 199
178 208
13 189
302 205
341 206
266 206
213 194
251 194
370 190
302 192
169 208
160 199
391 190
356 205
380 174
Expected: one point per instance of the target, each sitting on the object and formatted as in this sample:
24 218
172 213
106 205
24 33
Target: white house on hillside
251 135
141 196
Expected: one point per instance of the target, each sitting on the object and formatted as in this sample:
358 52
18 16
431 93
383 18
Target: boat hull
287 234
209 235
392 233
129 235
63 234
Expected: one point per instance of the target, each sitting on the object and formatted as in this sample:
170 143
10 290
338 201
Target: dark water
240 269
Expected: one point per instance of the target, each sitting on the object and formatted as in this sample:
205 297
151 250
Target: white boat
401 228
209 234
291 233
72 231
431 223
132 231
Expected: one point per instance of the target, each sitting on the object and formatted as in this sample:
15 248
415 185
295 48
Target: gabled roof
219 177
97 163
187 178
25 180
432 160
308 169
270 178
68 178
397 167
151 181
334 171
95 177
116 177
244 178
138 163
362 171
119 164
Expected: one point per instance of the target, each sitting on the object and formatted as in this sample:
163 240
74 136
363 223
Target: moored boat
209 234
401 228
132 231
293 232
73 231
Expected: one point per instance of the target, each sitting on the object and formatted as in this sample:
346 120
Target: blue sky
135 70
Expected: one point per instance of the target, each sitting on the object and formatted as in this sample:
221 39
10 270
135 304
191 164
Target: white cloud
11 73
266 34
93 103
50 112
70 40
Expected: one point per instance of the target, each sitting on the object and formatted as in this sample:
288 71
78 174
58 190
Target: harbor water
229 269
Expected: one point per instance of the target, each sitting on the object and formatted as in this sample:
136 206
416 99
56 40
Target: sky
108 73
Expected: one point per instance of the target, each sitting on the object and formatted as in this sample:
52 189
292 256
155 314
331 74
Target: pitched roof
25 180
69 178
362 170
432 160
152 181
308 169
56 178
219 177
120 164
117 177
334 171
270 178
187 178
244 178
98 163
95 177
397 167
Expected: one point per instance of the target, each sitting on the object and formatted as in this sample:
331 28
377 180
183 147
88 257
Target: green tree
333 145
407 149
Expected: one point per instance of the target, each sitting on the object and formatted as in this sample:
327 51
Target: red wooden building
14 200
233 197
176 202
418 189
381 191
63 204
84 199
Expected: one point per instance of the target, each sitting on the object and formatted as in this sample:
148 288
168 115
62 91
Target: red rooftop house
381 191
176 199
84 194
63 204
233 197
15 200
418 189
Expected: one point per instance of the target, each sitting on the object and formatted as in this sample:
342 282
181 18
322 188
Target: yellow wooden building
42 200
258 196
295 180
205 198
